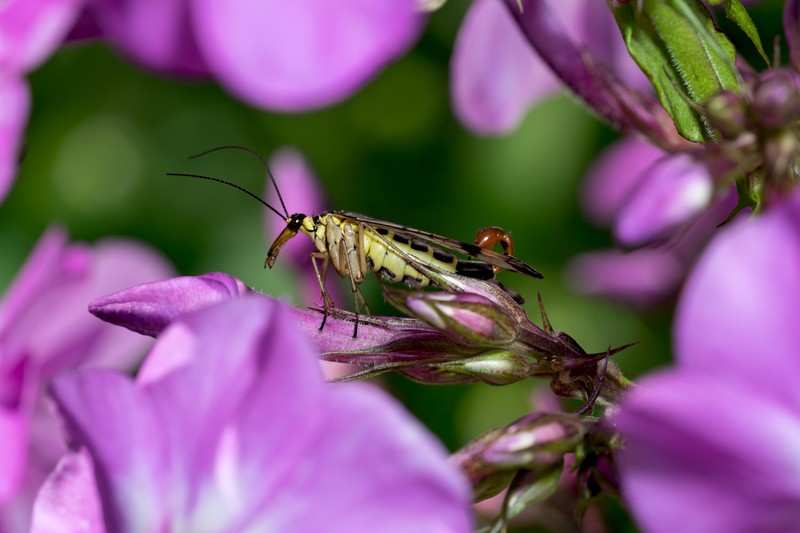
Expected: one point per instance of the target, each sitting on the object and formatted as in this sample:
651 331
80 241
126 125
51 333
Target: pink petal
69 280
404 481
670 193
706 453
600 33
35 273
254 439
614 175
299 55
13 451
155 33
14 104
32 29
642 277
117 423
68 501
741 303
496 75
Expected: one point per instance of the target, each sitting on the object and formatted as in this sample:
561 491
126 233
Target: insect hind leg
358 301
327 302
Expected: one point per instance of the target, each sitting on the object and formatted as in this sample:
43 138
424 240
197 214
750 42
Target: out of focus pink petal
614 175
672 192
78 275
130 452
642 277
68 501
14 105
601 34
304 54
495 74
742 301
709 454
156 33
13 450
32 29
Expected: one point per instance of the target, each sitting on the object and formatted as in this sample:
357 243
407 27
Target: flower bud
535 442
776 101
495 367
537 439
466 318
781 150
727 113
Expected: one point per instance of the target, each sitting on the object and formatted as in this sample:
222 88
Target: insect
356 245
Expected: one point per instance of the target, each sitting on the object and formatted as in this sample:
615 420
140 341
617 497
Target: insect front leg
327 302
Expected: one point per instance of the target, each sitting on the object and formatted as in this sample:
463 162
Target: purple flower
645 195
287 56
30 30
45 329
712 445
230 427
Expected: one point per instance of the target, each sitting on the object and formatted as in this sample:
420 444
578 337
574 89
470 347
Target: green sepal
525 494
688 60
737 13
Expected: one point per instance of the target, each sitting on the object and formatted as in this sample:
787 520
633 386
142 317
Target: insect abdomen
392 267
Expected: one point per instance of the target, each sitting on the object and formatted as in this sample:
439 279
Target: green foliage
688 60
736 12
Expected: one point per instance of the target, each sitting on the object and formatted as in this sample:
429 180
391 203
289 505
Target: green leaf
736 12
676 43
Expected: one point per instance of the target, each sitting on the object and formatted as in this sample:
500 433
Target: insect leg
362 263
327 302
352 273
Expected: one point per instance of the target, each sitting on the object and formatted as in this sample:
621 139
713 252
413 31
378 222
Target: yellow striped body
338 237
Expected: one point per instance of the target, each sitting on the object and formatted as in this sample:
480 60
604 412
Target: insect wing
506 262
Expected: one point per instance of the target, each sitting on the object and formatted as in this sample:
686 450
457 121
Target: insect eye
295 221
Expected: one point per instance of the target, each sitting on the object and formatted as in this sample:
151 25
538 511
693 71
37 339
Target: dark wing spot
402 239
471 249
382 231
370 264
419 246
475 269
442 256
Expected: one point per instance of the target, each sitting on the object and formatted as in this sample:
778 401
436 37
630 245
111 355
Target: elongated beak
275 249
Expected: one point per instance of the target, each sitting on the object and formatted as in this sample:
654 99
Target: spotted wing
506 262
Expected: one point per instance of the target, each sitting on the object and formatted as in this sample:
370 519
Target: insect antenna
231 184
260 158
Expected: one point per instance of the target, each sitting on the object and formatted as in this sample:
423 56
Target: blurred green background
103 133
